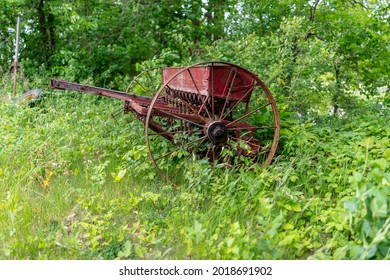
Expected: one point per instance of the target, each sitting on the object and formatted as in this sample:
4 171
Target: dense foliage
78 184
302 49
68 194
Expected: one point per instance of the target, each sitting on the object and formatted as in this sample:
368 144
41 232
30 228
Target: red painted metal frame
218 78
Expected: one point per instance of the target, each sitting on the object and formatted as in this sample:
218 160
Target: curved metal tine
248 114
229 91
200 95
177 117
184 102
174 132
182 164
238 102
179 148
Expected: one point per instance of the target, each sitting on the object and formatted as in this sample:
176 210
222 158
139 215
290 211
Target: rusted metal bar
139 104
65 85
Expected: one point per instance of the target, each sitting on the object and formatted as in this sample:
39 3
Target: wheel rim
146 83
226 130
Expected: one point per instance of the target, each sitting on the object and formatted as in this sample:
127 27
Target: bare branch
355 2
313 9
310 34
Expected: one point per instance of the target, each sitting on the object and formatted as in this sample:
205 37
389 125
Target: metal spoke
204 105
238 102
174 132
208 150
145 90
197 89
150 77
182 164
250 128
240 139
229 91
248 114
180 148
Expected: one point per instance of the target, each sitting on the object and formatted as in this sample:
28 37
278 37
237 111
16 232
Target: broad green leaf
387 154
371 252
118 177
351 205
296 207
378 205
381 163
356 177
288 226
368 142
293 178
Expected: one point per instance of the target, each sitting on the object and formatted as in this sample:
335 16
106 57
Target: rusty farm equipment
213 110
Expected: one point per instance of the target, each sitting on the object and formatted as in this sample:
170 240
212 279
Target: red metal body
220 79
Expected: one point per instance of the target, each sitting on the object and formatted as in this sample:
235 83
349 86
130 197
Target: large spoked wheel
146 83
227 115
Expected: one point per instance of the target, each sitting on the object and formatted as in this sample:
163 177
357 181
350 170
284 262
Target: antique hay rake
214 110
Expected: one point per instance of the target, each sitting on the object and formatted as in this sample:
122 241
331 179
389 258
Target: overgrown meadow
76 183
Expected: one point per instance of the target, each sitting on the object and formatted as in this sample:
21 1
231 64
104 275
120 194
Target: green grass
62 194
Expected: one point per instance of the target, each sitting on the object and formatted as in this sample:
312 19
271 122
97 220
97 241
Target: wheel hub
217 132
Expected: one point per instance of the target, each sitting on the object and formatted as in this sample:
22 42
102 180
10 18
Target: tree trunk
290 74
46 28
50 22
337 92
313 9
214 16
42 30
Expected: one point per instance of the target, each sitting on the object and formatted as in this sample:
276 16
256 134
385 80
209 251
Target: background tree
333 49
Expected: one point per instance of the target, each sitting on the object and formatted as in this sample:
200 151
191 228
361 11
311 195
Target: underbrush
78 184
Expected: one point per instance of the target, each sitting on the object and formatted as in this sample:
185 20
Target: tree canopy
76 183
335 49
